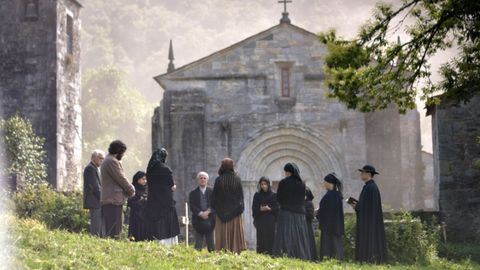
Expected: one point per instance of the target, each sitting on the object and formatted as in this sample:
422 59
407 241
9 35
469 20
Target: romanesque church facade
262 101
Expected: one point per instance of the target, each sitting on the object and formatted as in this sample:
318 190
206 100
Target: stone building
456 149
40 78
262 101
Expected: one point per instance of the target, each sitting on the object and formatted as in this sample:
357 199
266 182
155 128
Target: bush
460 251
409 241
57 210
23 150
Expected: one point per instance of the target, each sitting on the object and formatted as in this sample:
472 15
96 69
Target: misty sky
199 28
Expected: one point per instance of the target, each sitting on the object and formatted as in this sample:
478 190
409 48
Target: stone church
40 78
262 101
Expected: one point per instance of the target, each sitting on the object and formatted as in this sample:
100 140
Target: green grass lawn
35 247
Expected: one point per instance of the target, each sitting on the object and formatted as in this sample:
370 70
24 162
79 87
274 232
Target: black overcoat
370 242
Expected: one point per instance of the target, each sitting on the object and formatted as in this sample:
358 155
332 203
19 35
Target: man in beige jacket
115 189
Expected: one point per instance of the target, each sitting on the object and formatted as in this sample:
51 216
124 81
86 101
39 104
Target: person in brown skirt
227 201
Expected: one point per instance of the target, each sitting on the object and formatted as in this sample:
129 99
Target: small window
285 82
30 10
69 34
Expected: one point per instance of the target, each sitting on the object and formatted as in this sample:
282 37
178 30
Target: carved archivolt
278 144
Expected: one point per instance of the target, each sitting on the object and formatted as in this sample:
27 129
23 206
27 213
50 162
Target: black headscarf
136 177
309 194
158 156
332 178
293 168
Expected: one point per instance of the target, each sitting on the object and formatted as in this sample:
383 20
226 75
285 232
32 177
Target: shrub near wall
409 241
57 210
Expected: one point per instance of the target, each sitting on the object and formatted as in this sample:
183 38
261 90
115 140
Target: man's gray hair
98 152
202 173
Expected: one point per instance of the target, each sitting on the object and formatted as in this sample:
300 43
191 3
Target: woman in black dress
330 219
265 210
309 215
160 210
137 227
291 236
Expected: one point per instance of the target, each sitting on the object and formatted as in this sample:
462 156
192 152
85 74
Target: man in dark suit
91 191
203 217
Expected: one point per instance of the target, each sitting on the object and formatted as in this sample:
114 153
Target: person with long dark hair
331 220
265 210
309 215
137 226
227 202
291 237
160 210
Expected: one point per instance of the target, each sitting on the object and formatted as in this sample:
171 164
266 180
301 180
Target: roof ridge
233 46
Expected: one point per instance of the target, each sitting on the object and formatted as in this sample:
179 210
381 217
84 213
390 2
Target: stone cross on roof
284 2
285 18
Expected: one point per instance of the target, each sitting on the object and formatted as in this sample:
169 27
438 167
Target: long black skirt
265 225
137 227
165 227
291 236
311 239
331 246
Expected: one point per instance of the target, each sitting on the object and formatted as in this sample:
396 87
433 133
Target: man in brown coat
115 189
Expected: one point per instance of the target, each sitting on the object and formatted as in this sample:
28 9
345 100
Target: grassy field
35 247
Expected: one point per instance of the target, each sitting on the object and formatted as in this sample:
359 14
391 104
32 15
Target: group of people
152 210
283 220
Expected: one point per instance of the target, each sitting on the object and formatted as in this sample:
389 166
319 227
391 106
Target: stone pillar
249 189
455 131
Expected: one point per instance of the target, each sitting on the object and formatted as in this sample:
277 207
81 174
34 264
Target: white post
187 221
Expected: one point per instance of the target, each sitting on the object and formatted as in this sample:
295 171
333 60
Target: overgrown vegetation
23 151
411 244
56 209
40 248
460 251
409 241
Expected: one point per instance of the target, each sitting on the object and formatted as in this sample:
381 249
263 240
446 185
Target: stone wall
69 121
455 149
33 82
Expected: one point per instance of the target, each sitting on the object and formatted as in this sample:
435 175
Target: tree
112 110
23 151
370 72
